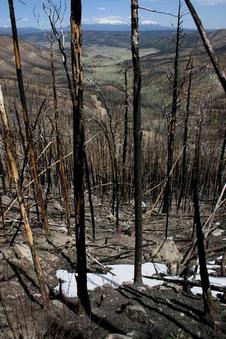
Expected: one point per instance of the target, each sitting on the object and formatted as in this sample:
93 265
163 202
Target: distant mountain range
21 30
153 36
91 27
124 27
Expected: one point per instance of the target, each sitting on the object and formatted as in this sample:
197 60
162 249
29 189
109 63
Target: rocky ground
165 311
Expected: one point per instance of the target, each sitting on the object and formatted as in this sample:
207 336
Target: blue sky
212 12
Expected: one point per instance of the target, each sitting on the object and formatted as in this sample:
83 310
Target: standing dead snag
220 171
217 67
61 169
20 198
209 308
88 184
125 138
79 151
32 153
172 122
137 140
185 136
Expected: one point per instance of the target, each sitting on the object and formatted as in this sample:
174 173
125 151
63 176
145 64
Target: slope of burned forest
68 184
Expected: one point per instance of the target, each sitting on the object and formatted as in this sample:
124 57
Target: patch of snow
212 266
121 274
198 290
211 271
217 281
125 273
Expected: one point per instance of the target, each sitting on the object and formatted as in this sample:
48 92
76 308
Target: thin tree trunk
223 264
185 140
32 154
2 175
125 140
137 134
172 124
20 198
79 152
3 218
209 308
220 171
90 198
61 168
218 69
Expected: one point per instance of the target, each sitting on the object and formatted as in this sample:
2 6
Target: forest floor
163 311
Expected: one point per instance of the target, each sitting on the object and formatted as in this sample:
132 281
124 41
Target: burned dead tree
209 308
172 121
220 171
61 169
222 78
217 67
28 132
185 137
137 135
79 152
125 139
15 175
89 188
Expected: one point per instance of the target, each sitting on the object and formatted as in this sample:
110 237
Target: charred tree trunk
220 171
2 175
32 154
125 141
185 140
172 123
90 198
137 135
20 198
223 264
61 168
110 137
217 67
79 152
209 308
3 218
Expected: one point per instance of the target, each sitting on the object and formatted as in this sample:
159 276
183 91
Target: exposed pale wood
20 198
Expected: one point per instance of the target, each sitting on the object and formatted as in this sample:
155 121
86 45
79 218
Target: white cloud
149 22
110 20
101 8
211 2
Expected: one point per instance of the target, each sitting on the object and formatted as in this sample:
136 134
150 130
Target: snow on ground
217 281
124 273
121 274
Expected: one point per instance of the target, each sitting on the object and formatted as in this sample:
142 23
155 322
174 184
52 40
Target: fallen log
102 266
187 283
